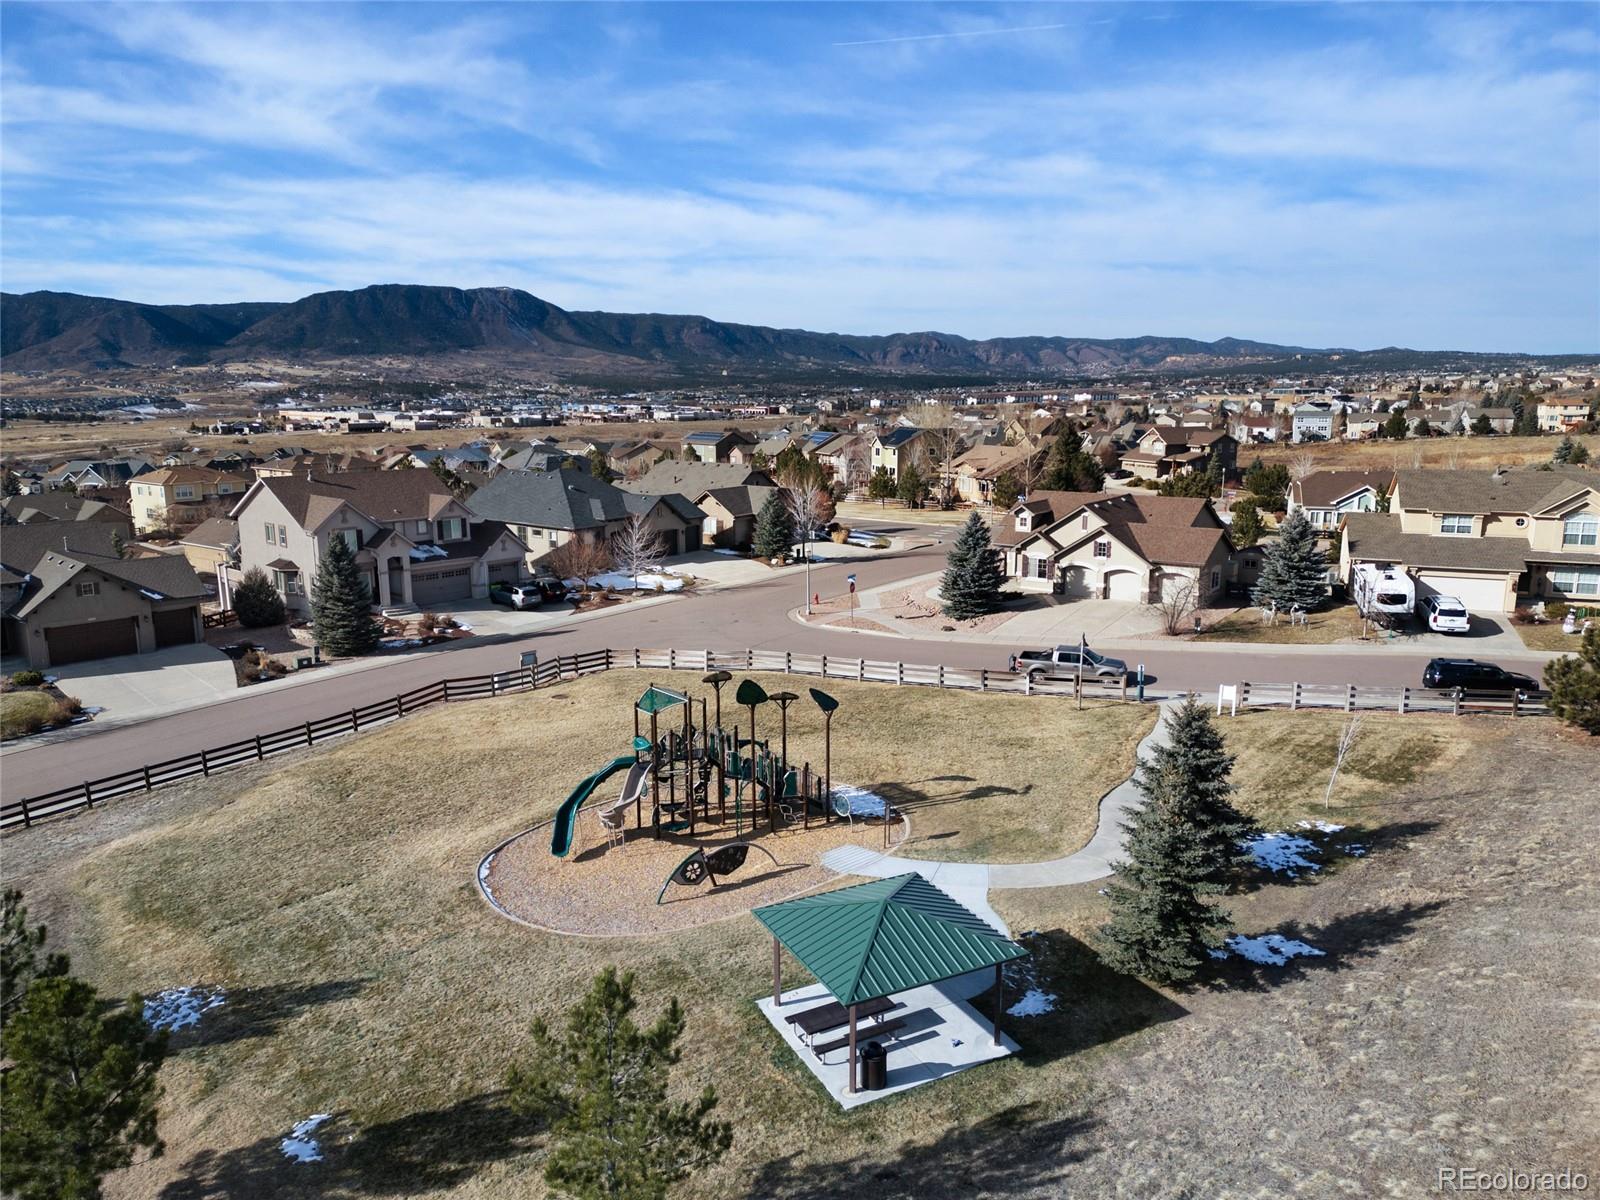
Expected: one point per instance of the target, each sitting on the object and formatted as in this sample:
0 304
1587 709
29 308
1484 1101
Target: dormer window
1458 524
452 529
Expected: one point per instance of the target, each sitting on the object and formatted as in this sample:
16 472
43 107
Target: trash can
874 1067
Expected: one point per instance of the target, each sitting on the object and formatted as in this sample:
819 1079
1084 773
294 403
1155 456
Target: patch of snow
1321 826
1354 850
483 876
180 1007
1281 853
400 643
463 626
423 553
1036 1003
618 582
150 595
51 678
300 1145
92 710
728 553
858 801
1272 950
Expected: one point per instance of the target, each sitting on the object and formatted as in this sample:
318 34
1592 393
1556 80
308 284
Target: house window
184 492
283 535
1576 581
422 527
1041 568
1216 580
88 588
287 582
1455 523
1580 529
270 534
452 529
352 538
1102 548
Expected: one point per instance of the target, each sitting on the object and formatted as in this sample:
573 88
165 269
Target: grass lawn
332 894
1328 625
23 712
1548 637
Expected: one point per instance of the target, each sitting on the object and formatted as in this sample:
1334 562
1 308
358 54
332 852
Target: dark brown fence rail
26 811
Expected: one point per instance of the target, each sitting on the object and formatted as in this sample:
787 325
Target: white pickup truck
1062 663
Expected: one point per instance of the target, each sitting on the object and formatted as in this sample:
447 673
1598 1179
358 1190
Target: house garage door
1480 593
432 587
1124 585
1075 582
510 570
92 639
1174 586
173 626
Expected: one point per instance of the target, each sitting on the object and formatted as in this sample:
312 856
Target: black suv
1473 676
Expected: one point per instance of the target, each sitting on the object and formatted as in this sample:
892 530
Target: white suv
1446 614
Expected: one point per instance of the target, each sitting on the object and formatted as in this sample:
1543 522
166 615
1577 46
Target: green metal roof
886 936
657 699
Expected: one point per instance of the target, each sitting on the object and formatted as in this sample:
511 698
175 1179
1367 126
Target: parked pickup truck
1062 663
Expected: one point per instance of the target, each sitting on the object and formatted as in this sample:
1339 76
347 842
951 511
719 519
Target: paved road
755 616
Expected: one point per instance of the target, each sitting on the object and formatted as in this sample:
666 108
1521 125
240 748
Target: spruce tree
972 575
1006 490
1482 426
774 528
1396 425
1069 468
1562 454
1294 572
341 613
599 1088
256 602
910 487
1574 684
1183 845
19 955
80 1097
880 486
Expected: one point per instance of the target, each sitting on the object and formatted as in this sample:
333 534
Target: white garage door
1125 585
1173 586
1480 593
1075 582
432 587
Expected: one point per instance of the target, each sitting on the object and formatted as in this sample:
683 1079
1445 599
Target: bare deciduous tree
579 559
1302 465
637 549
1347 741
1176 606
942 432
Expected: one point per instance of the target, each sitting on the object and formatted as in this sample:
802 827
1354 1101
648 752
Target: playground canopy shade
657 699
886 936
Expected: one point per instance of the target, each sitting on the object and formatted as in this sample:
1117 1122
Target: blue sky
1344 175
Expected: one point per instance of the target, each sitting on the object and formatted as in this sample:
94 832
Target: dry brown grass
1338 624
1549 637
333 894
1464 453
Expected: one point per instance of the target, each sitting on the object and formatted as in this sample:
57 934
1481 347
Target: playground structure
696 775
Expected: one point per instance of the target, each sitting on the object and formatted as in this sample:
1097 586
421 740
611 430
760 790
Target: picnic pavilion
896 961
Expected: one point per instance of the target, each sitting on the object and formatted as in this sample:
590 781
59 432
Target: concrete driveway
142 685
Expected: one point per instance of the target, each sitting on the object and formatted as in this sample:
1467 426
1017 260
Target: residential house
1558 414
1327 497
181 497
1360 426
897 449
1166 450
414 541
1131 546
67 595
975 471
1501 420
1486 538
848 458
691 478
321 464
1312 423
211 546
633 458
547 509
85 475
713 446
33 508
730 515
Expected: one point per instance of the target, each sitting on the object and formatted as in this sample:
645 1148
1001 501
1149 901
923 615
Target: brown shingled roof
411 494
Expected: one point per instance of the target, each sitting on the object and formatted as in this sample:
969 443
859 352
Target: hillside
61 331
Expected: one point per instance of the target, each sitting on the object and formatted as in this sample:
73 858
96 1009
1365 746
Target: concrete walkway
970 883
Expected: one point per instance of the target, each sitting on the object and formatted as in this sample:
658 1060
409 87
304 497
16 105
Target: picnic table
834 1015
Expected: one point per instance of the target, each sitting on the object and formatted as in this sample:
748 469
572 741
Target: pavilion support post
777 971
999 1000
854 1064
655 783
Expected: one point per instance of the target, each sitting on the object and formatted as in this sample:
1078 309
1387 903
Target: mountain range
49 331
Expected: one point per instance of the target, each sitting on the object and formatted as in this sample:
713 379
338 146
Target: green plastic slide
567 814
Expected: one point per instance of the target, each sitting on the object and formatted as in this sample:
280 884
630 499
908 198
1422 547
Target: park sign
851 580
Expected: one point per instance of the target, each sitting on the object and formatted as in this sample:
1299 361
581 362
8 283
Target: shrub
256 601
28 679
841 535
1556 611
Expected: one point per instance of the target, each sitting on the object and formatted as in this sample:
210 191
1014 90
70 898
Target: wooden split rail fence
25 812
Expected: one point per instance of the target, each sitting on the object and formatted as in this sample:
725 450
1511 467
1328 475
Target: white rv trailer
1382 594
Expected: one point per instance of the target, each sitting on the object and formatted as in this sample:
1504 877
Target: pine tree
599 465
9 484
1562 454
774 528
19 955
80 1097
1069 468
972 575
1294 572
1246 526
1267 484
1396 425
1574 684
600 1089
880 486
1215 476
910 487
341 605
1183 845
256 602
1005 491
1482 426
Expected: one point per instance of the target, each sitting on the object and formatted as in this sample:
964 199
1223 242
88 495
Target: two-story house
183 497
1311 423
1165 450
1560 413
547 509
1486 538
1130 546
711 445
899 448
414 541
1327 497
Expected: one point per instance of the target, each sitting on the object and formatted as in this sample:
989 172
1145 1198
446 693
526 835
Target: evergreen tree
1562 454
774 528
1183 845
972 575
1422 429
10 485
1069 468
1267 484
19 955
341 613
1190 483
880 486
1482 426
1580 456
1574 684
599 465
1381 501
1246 525
1294 572
119 547
1215 475
910 487
1005 491
599 1087
256 602
1396 425
80 1097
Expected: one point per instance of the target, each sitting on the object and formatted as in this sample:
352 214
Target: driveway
142 685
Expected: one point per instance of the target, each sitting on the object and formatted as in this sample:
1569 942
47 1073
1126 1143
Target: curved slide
567 814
